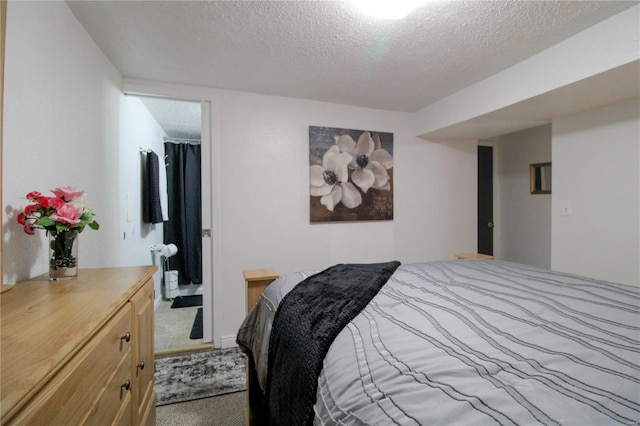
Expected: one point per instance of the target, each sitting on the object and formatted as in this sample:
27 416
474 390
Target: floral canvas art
350 175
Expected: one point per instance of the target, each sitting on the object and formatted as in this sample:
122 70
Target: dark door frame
486 199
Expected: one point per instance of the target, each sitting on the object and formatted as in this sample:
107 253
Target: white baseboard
228 342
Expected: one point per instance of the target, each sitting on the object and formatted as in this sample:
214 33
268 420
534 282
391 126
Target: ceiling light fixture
386 9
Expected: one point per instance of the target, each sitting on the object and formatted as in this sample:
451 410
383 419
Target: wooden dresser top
43 323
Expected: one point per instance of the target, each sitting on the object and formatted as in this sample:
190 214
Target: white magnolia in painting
370 161
330 181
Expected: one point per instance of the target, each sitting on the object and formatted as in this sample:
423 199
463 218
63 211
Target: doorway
182 291
485 200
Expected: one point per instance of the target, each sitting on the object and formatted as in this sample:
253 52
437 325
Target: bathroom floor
172 329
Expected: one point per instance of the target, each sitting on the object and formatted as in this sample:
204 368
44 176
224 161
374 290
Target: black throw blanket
307 321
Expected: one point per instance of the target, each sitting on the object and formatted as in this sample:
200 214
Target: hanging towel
151 208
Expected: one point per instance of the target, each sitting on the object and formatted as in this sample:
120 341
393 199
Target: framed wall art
350 175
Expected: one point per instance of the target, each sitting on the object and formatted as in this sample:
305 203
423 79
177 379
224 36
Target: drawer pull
124 388
141 365
126 337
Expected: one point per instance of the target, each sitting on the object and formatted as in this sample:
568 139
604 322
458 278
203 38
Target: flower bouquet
63 217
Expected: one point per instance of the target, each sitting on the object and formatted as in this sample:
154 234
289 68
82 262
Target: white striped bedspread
474 342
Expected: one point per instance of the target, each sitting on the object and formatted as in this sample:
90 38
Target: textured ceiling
325 50
179 119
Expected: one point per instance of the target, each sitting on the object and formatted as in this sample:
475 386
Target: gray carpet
223 410
198 375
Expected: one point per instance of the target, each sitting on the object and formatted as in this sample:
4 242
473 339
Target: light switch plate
566 208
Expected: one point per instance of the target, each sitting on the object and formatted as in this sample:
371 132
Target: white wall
525 218
264 149
63 124
596 170
138 130
61 128
260 195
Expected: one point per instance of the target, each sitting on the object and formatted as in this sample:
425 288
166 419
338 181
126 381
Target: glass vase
63 255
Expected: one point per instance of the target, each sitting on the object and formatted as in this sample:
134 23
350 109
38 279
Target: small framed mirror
540 178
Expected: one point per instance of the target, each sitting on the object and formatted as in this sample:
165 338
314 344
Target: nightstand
473 256
257 280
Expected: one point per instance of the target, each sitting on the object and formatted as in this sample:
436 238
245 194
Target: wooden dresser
79 351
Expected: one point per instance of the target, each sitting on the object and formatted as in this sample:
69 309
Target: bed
467 342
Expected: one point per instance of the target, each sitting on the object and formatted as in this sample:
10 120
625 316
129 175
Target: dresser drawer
115 397
74 391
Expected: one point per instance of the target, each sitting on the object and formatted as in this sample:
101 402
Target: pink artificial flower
34 196
68 213
52 203
31 209
29 229
67 193
56 213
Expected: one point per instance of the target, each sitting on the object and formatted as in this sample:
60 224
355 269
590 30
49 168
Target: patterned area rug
199 375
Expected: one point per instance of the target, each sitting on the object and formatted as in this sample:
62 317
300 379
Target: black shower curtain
184 227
